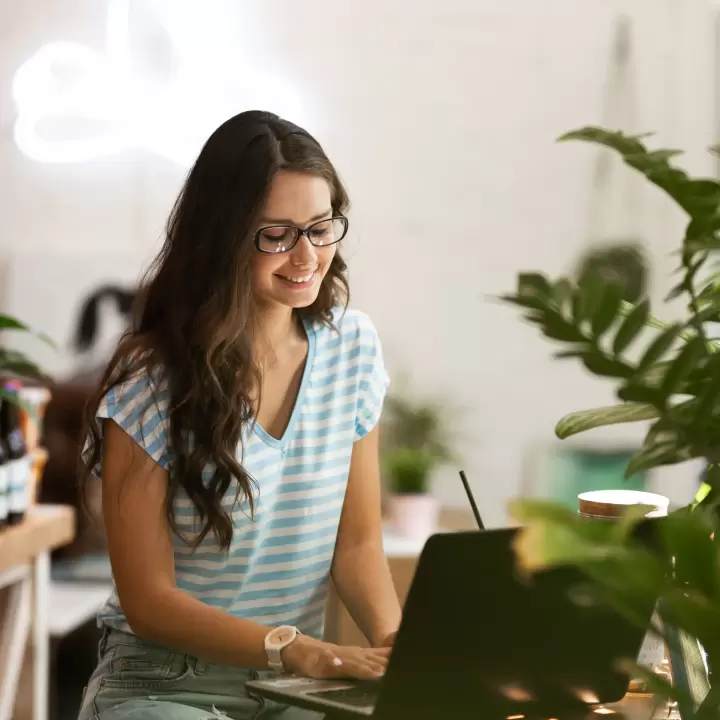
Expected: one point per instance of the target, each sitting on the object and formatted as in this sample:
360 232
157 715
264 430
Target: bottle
11 432
4 478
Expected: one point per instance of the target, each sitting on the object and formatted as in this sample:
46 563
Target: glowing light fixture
75 104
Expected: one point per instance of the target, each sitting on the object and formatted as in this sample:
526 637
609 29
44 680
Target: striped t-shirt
278 566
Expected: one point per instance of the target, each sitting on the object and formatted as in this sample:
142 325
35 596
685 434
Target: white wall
441 117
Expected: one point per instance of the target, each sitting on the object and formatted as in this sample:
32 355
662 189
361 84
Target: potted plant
16 364
667 374
413 441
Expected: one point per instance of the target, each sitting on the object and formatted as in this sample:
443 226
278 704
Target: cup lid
613 503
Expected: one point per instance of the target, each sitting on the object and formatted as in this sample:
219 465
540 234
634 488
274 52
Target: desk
24 586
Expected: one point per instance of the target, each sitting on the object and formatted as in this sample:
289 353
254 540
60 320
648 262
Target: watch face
282 635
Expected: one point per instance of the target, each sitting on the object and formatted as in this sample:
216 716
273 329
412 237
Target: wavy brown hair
195 310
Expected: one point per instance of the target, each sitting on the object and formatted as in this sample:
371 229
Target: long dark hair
195 310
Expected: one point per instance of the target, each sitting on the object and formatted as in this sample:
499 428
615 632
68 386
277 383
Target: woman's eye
322 230
276 234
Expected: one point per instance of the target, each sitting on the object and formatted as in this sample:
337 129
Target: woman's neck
278 329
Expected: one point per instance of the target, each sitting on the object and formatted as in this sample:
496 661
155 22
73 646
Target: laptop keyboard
360 696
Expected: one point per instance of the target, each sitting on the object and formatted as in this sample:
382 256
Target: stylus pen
473 505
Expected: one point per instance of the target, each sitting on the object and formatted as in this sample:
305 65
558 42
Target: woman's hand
313 658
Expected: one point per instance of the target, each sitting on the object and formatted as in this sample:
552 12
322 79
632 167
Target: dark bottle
19 475
4 477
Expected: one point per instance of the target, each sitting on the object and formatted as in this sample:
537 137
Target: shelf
45 528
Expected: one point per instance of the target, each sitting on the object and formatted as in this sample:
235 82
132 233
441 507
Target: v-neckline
281 442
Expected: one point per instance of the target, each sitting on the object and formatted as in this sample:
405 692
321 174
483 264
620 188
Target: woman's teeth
303 279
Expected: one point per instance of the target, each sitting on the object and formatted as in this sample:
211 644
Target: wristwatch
275 642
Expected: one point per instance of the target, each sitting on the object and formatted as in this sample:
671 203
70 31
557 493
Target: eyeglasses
281 238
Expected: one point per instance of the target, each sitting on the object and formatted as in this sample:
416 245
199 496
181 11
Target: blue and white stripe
278 566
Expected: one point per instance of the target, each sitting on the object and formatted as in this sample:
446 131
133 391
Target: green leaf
530 302
701 494
544 510
707 404
15 363
552 535
704 195
624 144
584 420
562 292
689 609
578 351
710 313
682 366
676 292
533 284
558 329
654 375
8 322
695 197
651 457
607 310
599 364
701 233
631 326
657 348
688 538
641 394
588 298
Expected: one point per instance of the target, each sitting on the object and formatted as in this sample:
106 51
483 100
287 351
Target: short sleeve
374 380
140 407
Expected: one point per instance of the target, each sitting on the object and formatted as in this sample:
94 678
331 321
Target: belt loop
102 644
200 666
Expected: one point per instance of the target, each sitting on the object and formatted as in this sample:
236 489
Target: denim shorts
139 680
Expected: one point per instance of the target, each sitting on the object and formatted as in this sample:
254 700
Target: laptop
475 635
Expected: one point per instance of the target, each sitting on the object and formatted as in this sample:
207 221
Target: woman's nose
304 253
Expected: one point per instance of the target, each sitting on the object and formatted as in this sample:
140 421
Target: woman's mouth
299 282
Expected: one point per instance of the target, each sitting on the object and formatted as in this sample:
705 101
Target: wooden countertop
45 528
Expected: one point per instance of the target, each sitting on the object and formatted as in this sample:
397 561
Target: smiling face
293 278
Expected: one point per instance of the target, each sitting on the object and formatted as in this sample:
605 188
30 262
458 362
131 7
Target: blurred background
442 120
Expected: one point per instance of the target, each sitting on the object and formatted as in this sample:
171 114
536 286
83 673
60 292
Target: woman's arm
141 554
360 570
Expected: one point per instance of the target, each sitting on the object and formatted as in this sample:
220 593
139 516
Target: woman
235 432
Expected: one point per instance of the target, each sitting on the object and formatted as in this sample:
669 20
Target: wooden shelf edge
45 528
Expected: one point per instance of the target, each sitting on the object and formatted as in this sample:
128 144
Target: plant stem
713 344
693 304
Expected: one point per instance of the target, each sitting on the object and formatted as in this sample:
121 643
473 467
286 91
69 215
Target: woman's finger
365 672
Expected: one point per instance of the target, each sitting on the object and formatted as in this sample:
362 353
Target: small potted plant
414 445
14 365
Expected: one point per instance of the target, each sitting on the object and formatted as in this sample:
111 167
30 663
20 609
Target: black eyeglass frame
300 232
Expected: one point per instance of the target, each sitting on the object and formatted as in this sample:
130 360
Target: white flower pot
413 515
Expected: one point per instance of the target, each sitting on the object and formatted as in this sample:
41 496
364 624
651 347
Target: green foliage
414 442
409 470
684 573
621 262
15 364
671 377
665 373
